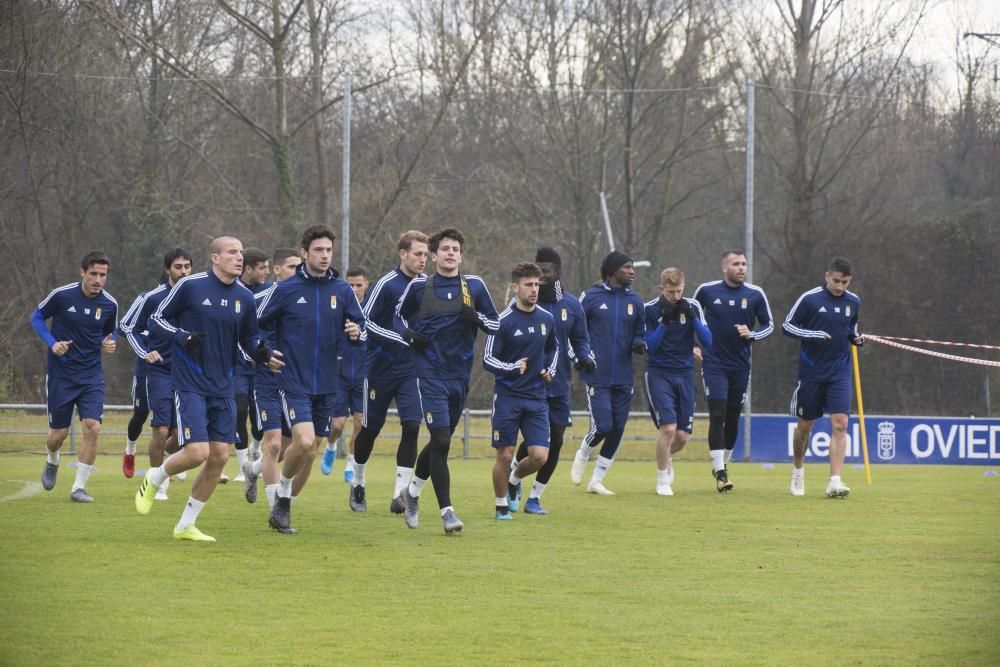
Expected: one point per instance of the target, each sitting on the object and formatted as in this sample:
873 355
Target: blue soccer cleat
514 497
504 516
326 465
534 506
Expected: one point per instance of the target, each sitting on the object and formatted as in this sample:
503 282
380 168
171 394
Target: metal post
607 223
748 246
345 229
465 433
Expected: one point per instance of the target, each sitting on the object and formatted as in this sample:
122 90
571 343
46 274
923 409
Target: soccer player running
209 318
522 355
672 321
440 316
269 417
350 392
84 318
391 375
254 278
825 319
574 344
315 315
154 353
615 322
731 307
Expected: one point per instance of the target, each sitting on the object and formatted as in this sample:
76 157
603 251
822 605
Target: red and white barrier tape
885 340
940 342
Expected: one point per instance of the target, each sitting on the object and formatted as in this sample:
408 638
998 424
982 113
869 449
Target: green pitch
906 571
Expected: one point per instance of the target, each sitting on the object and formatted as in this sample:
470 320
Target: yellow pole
861 413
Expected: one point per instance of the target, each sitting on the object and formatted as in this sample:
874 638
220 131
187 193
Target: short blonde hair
671 277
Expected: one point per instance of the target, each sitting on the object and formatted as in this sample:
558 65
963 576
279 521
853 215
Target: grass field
906 571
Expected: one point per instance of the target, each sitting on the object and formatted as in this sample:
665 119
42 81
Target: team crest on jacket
564 314
543 328
263 415
847 311
743 303
333 302
371 395
630 309
97 314
291 414
236 305
187 433
683 319
430 418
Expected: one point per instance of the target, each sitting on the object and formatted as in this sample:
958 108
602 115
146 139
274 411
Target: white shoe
664 490
161 494
576 472
837 489
240 477
798 487
599 488
181 475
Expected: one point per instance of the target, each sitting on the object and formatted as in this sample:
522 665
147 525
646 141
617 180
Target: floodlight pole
345 227
748 247
607 224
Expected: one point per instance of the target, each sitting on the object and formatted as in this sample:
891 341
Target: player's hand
685 308
262 354
416 340
744 331
108 344
352 330
857 340
586 365
697 353
468 314
153 357
522 364
638 348
190 341
61 347
275 363
546 375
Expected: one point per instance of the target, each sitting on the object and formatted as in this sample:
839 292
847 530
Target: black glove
683 307
586 364
468 314
416 340
262 354
639 348
857 340
190 341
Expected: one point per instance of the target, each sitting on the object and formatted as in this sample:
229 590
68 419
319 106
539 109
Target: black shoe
396 506
356 499
722 483
49 473
281 516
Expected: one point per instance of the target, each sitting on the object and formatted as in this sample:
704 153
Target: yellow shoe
144 496
192 533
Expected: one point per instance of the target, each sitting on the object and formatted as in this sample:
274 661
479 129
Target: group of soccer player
302 352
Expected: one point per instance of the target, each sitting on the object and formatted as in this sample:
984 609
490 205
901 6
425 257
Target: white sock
254 445
798 472
351 464
403 475
241 457
331 446
729 456
257 466
291 499
833 478
601 469
165 485
444 510
52 457
191 511
416 486
502 502
157 476
359 474
718 459
586 451
271 491
129 446
662 477
284 486
537 489
513 479
82 473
